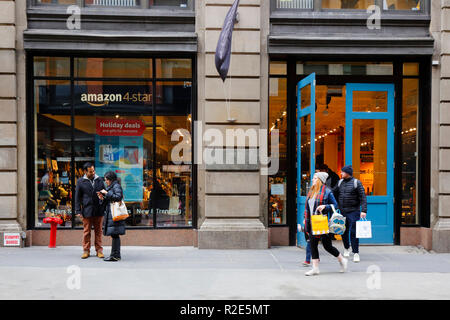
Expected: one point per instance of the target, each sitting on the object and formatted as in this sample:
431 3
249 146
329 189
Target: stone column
441 222
230 213
8 119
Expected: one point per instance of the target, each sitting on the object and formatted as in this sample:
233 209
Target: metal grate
115 3
295 4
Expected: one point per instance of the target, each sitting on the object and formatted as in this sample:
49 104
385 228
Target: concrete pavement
385 272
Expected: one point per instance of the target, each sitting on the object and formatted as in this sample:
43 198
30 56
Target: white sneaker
346 253
356 258
343 264
312 272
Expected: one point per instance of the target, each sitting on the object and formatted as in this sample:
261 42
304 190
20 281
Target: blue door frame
301 113
380 208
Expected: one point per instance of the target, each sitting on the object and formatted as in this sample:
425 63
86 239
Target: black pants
115 250
326 241
350 229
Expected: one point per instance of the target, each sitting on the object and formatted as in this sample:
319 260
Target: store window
113 68
346 68
171 3
402 5
130 126
347 4
53 150
278 120
60 2
410 150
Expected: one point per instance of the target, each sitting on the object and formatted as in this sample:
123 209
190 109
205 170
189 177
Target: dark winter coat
115 194
351 199
324 197
87 202
332 179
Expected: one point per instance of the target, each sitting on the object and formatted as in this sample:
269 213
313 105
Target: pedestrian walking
351 196
320 198
89 208
113 193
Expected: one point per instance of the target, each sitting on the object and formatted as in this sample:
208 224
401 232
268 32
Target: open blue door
306 104
369 148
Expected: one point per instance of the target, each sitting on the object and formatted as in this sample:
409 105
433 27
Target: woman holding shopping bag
319 201
115 229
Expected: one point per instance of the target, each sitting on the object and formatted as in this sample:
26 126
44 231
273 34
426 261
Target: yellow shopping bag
319 224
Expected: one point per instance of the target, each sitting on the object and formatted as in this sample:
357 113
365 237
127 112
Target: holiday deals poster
119 148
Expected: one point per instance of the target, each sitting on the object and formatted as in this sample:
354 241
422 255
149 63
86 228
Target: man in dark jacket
333 177
88 207
351 197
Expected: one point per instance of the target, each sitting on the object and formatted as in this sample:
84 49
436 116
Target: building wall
231 208
441 103
12 117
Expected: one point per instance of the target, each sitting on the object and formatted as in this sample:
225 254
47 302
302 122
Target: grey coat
115 194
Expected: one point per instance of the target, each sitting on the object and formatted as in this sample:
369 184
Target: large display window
120 115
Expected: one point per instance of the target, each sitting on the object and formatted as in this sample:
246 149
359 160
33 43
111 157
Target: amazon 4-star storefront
124 114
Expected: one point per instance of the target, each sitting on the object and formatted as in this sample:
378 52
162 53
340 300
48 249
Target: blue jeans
350 230
308 251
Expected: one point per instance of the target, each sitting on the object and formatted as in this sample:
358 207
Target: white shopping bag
363 229
119 211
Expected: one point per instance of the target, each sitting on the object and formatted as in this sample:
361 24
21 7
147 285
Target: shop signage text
103 99
11 239
120 127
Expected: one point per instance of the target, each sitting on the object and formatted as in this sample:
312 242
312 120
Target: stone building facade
441 125
12 117
231 201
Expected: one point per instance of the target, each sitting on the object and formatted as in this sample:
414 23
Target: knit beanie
348 169
322 176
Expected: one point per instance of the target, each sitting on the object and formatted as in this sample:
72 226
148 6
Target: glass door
369 148
306 104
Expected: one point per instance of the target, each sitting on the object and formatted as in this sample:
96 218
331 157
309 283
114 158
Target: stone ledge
441 236
233 234
9 226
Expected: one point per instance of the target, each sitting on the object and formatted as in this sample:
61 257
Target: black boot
111 258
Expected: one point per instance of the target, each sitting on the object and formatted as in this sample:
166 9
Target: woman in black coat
115 229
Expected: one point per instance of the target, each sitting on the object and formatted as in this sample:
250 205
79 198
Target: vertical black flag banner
223 50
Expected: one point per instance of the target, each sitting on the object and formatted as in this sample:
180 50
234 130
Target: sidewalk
189 273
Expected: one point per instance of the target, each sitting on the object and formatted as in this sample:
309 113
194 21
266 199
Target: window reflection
51 67
60 2
172 190
347 4
370 101
278 120
409 151
345 68
173 68
370 155
53 151
171 3
113 68
401 4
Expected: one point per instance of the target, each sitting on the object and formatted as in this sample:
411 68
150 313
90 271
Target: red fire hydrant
54 221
